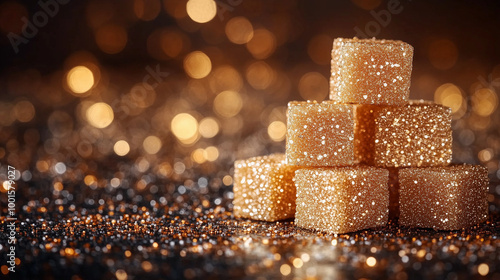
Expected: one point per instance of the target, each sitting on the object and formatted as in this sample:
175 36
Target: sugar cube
264 188
342 199
414 135
443 198
320 134
370 71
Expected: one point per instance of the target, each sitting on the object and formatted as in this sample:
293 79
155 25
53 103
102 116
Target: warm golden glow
197 65
152 144
209 127
121 148
100 115
262 44
198 156
485 155
173 42
371 261
184 127
24 111
484 102
239 30
211 153
80 79
147 9
277 131
285 269
228 103
451 96
111 39
260 75
443 54
483 269
313 86
201 11
226 78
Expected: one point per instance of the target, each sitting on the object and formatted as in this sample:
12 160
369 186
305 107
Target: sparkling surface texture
444 198
342 199
264 188
369 71
417 134
320 134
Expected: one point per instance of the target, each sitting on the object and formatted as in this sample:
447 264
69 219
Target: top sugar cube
370 71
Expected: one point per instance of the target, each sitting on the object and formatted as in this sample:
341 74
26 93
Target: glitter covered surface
370 71
320 134
445 198
264 188
342 199
417 134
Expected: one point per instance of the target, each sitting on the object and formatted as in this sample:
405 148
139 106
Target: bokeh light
209 127
451 96
80 79
262 44
147 10
152 144
121 148
277 131
260 75
197 65
239 30
228 103
443 54
313 86
100 115
185 127
24 111
484 102
112 38
201 11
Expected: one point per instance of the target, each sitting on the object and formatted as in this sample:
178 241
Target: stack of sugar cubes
365 157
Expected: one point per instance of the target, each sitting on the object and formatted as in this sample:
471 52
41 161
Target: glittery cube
414 135
320 134
369 71
443 198
393 194
264 188
342 199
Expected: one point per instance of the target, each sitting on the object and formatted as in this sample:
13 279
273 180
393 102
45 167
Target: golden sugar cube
414 135
264 188
342 199
443 198
370 71
320 134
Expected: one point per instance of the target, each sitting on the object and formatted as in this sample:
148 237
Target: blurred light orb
209 127
111 39
239 30
197 65
201 11
260 75
24 111
80 79
277 131
484 102
443 54
152 144
121 148
100 115
184 127
147 9
198 156
451 96
211 153
313 86
262 44
228 103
